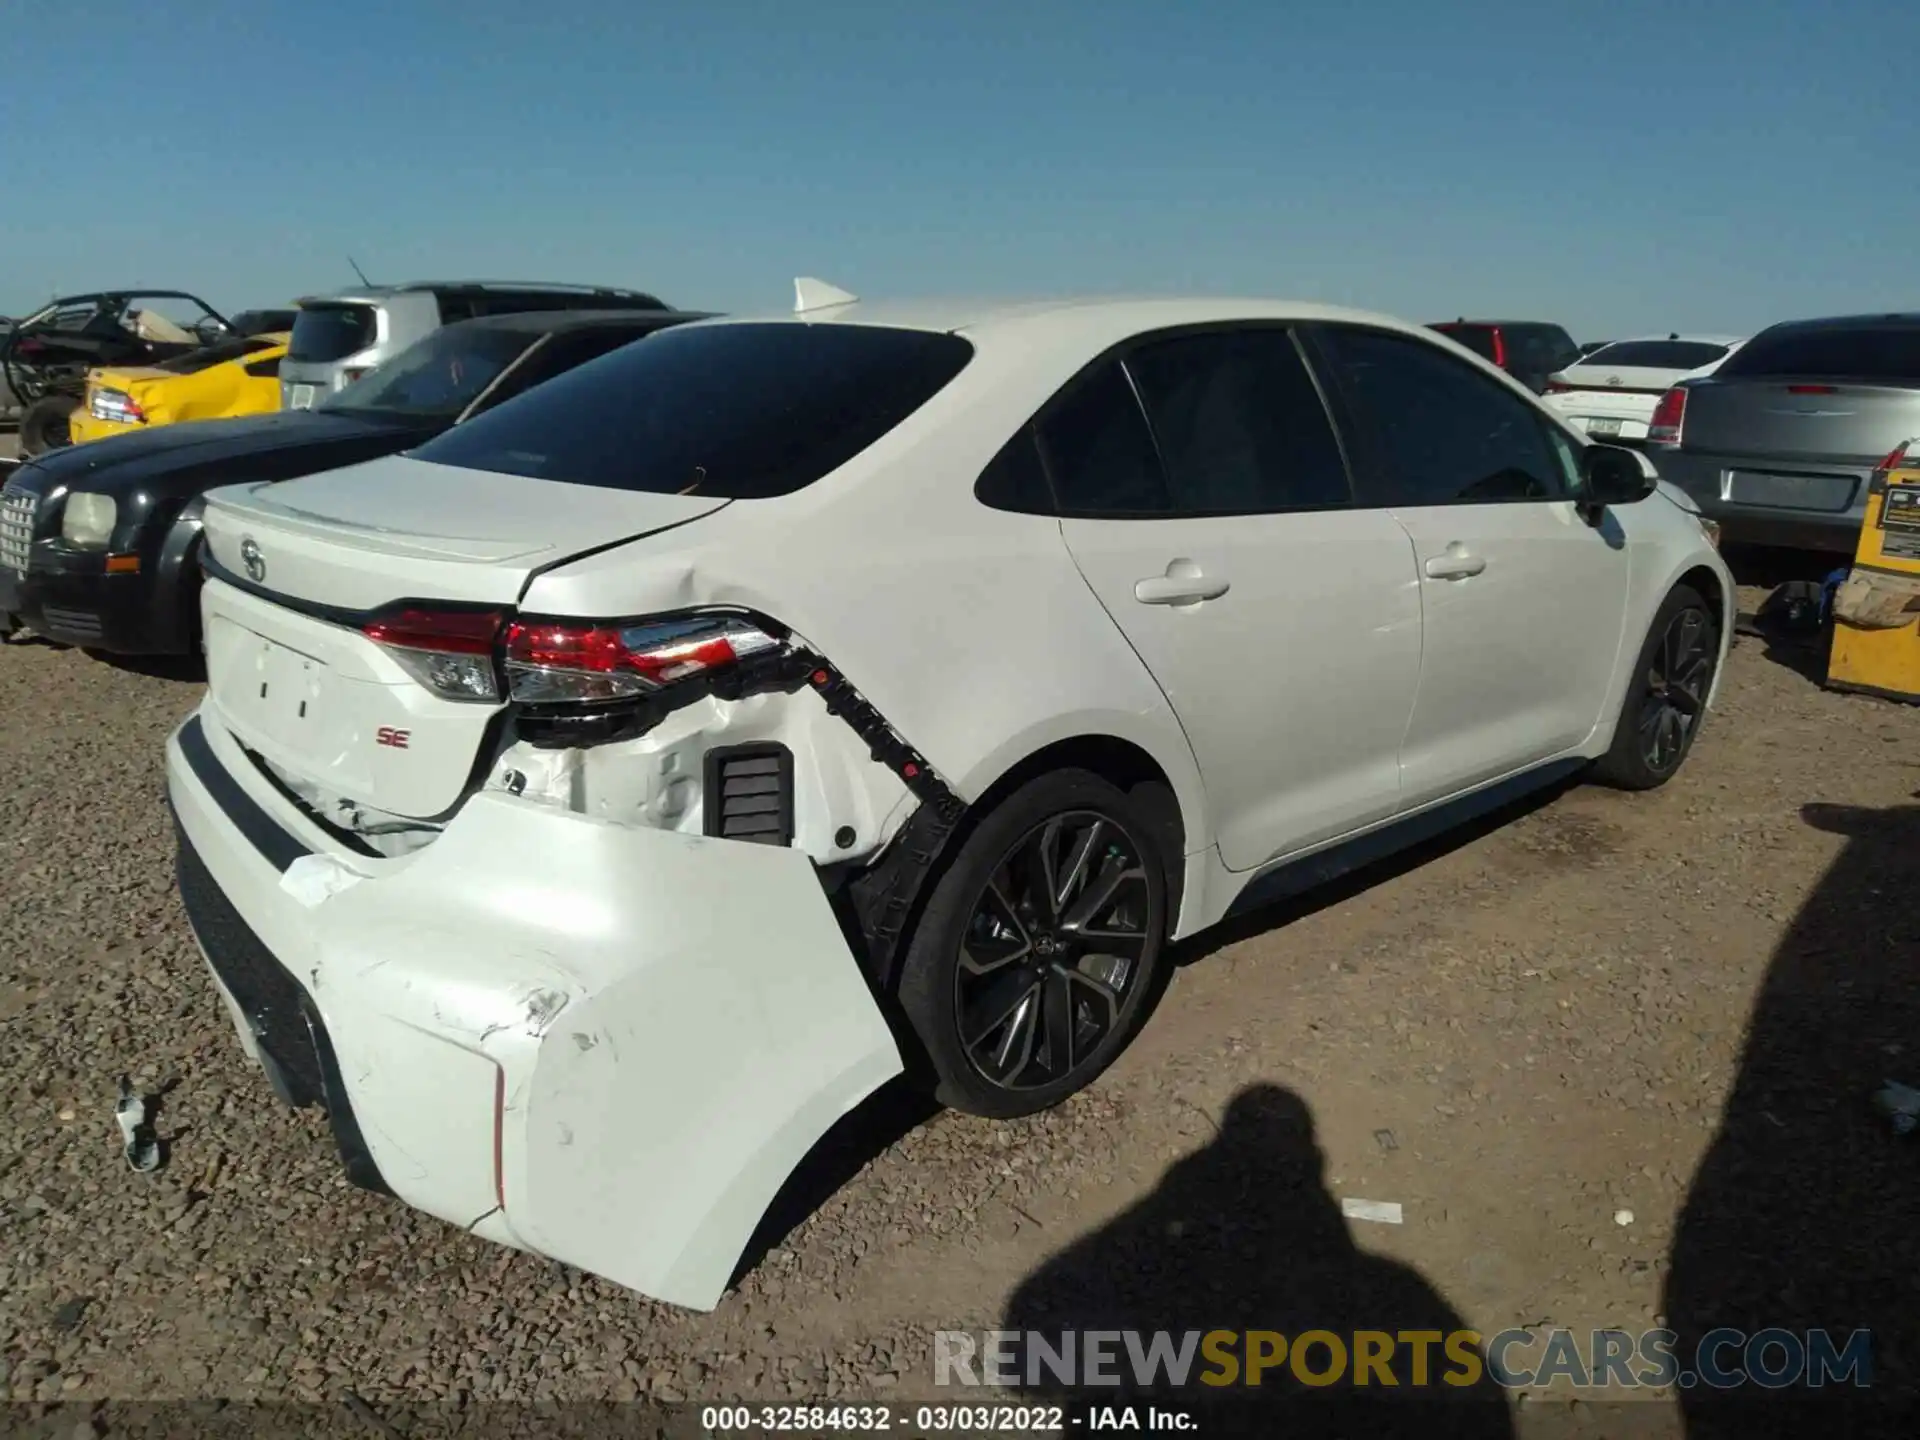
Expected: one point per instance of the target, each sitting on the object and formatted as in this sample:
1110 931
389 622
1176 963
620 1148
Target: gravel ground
1670 1004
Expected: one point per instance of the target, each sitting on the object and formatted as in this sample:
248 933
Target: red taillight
1499 348
1813 389
448 651
1668 416
355 372
563 661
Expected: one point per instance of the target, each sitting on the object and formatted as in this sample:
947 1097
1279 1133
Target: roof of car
1682 338
1490 324
1096 319
1897 318
555 322
374 294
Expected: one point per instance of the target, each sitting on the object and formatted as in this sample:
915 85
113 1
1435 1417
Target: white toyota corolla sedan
590 807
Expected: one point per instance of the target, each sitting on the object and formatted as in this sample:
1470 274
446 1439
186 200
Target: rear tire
1034 961
45 425
1666 701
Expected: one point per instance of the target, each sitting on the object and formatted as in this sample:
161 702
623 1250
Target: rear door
1523 601
1799 416
1280 618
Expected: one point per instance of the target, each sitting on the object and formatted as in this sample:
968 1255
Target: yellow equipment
235 377
1876 612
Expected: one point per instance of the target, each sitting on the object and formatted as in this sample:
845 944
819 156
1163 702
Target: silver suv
338 338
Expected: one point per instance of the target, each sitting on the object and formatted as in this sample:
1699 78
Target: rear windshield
741 411
1477 338
436 378
323 333
261 322
1658 354
1840 352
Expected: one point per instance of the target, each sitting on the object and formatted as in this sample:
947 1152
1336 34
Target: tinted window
1848 352
1477 338
558 354
261 322
1444 434
1539 348
205 358
1098 450
1658 354
1014 479
330 332
1240 426
439 376
741 411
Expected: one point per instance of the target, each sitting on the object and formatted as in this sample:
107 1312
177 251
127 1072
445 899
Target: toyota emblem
255 562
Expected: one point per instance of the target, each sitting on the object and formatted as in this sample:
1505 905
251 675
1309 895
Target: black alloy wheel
1666 700
1676 685
1051 950
1042 943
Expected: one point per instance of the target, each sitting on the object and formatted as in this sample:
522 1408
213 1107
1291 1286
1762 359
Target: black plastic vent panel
749 794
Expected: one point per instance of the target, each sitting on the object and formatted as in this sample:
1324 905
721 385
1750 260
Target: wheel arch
1157 769
1715 586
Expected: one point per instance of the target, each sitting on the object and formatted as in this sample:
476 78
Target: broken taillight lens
451 652
557 662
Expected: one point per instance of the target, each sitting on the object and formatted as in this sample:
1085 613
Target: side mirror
1613 475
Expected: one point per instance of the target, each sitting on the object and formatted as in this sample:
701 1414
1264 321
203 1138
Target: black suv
1528 350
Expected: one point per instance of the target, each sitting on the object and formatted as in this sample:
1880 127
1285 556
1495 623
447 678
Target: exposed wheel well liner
887 896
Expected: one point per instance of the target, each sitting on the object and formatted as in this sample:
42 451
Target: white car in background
1611 394
591 806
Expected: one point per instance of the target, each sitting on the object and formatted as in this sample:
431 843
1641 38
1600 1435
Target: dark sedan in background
1780 443
99 544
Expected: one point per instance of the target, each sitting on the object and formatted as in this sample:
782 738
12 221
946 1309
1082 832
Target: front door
1523 599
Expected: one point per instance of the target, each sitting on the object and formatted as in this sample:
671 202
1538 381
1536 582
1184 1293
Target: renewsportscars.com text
1774 1359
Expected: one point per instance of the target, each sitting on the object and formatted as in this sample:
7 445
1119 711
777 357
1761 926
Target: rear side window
1015 480
742 411
324 333
1098 450
1657 354
1240 425
1444 434
1839 352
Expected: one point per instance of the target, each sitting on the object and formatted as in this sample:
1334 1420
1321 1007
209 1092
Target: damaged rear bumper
604 1043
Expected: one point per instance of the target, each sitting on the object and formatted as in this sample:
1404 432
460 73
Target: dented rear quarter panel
928 601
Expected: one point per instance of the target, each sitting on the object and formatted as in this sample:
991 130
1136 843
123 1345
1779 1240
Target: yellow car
234 377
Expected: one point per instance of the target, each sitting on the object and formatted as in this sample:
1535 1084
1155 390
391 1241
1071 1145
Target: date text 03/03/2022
928 1420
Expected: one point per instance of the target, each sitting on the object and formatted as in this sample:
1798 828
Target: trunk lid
1820 421
1623 380
295 681
395 528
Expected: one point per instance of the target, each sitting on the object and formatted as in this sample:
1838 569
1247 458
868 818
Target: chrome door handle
1457 563
1185 583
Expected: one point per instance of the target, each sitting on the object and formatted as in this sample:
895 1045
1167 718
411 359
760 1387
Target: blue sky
1620 167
